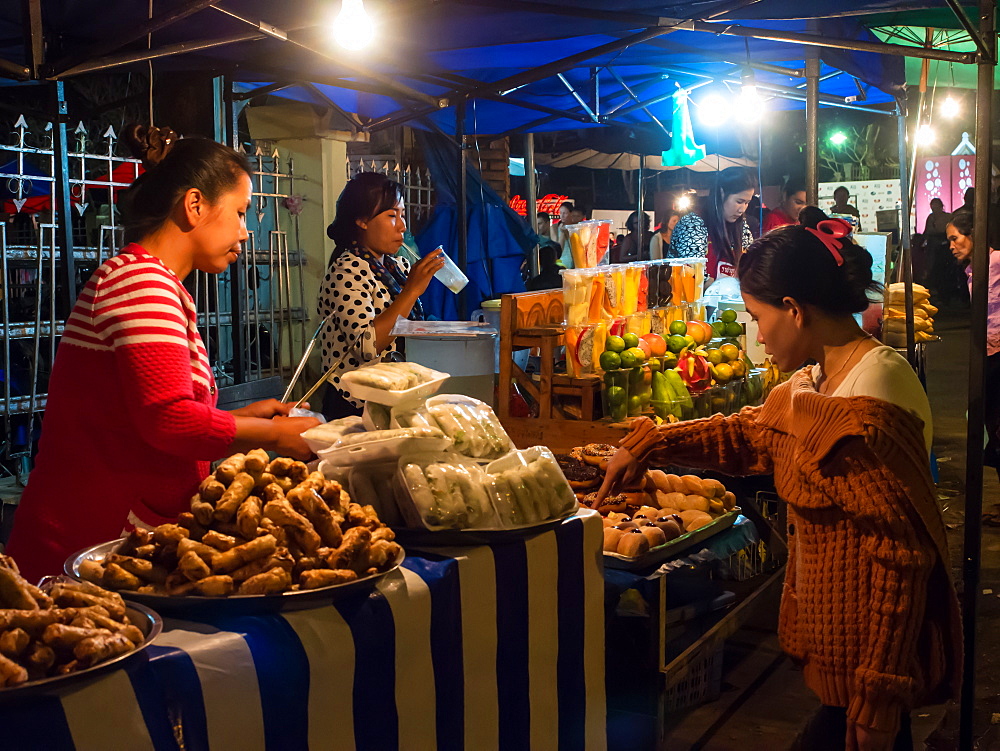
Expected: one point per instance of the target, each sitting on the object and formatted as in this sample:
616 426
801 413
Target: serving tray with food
657 518
392 383
261 535
64 630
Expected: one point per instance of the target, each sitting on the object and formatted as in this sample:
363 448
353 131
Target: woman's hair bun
148 143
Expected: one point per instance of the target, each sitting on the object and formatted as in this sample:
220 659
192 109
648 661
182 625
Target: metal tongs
302 364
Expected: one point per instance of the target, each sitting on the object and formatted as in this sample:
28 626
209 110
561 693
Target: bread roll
715 507
695 519
694 503
676 484
729 500
633 544
694 485
611 538
654 536
659 478
669 500
713 488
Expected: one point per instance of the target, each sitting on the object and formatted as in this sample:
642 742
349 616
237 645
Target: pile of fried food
657 509
69 627
256 527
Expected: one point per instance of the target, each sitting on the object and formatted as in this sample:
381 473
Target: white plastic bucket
470 360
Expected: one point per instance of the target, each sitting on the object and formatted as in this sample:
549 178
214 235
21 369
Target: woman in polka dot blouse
366 288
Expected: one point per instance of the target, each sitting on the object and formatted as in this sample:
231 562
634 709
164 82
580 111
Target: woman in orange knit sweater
868 608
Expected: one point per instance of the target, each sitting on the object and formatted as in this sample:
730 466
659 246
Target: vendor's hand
266 409
423 271
623 471
861 738
287 439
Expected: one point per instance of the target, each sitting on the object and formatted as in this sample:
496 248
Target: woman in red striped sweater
131 423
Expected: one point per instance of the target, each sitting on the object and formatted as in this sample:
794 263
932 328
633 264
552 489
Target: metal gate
418 189
253 330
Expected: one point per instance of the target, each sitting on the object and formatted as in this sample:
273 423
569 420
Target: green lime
634 405
614 344
690 341
630 340
610 361
714 356
628 358
669 361
733 328
718 327
678 327
640 356
655 365
676 343
727 316
616 396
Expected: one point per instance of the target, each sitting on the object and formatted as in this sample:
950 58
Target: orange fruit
657 345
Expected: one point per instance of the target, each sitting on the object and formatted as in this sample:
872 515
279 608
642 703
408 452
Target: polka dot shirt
352 293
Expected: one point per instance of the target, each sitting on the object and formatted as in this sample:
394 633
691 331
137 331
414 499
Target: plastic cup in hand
450 275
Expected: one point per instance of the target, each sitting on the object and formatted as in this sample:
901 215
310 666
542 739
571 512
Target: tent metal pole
972 547
61 196
970 29
32 11
119 40
579 99
639 223
621 82
532 196
14 70
905 254
462 204
812 127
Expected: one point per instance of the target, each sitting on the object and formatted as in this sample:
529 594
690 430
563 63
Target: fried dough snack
256 527
70 626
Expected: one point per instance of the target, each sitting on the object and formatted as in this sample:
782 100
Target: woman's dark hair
174 166
366 195
811 216
727 239
793 186
792 262
633 218
963 222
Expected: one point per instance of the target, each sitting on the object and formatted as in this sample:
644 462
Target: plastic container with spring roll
535 485
370 484
360 384
473 427
444 492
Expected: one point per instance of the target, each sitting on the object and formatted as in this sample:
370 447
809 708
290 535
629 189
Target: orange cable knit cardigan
868 607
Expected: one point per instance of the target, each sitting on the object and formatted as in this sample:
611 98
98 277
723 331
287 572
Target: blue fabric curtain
498 238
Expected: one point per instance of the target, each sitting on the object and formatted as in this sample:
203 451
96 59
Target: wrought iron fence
252 332
418 188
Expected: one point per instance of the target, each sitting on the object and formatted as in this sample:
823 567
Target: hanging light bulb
950 107
925 135
751 105
713 110
353 28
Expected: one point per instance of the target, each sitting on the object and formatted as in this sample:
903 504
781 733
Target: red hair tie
830 232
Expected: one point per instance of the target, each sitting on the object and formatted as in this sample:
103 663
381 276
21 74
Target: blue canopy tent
528 66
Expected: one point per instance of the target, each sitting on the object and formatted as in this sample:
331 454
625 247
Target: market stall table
498 646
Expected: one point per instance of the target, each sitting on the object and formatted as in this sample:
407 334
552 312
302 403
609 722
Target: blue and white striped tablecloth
498 647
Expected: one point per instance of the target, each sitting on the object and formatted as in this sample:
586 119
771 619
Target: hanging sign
548 204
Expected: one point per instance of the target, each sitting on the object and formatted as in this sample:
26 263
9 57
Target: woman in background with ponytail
719 231
868 609
131 425
366 287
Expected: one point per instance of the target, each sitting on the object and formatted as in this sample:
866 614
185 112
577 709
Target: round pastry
642 520
695 519
611 503
611 537
669 526
650 511
617 518
595 453
633 544
627 524
581 476
654 536
729 500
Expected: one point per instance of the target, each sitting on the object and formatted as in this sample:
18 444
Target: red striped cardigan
131 423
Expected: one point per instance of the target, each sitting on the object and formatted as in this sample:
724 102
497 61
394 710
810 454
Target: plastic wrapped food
472 426
391 376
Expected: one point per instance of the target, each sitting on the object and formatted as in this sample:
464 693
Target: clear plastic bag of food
445 492
472 426
536 486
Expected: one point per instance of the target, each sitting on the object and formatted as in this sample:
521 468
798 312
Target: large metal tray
678 545
146 620
195 607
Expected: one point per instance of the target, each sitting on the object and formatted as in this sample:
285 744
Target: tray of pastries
64 631
261 536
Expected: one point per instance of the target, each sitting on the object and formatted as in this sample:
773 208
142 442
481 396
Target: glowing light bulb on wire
838 138
353 28
950 107
751 105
